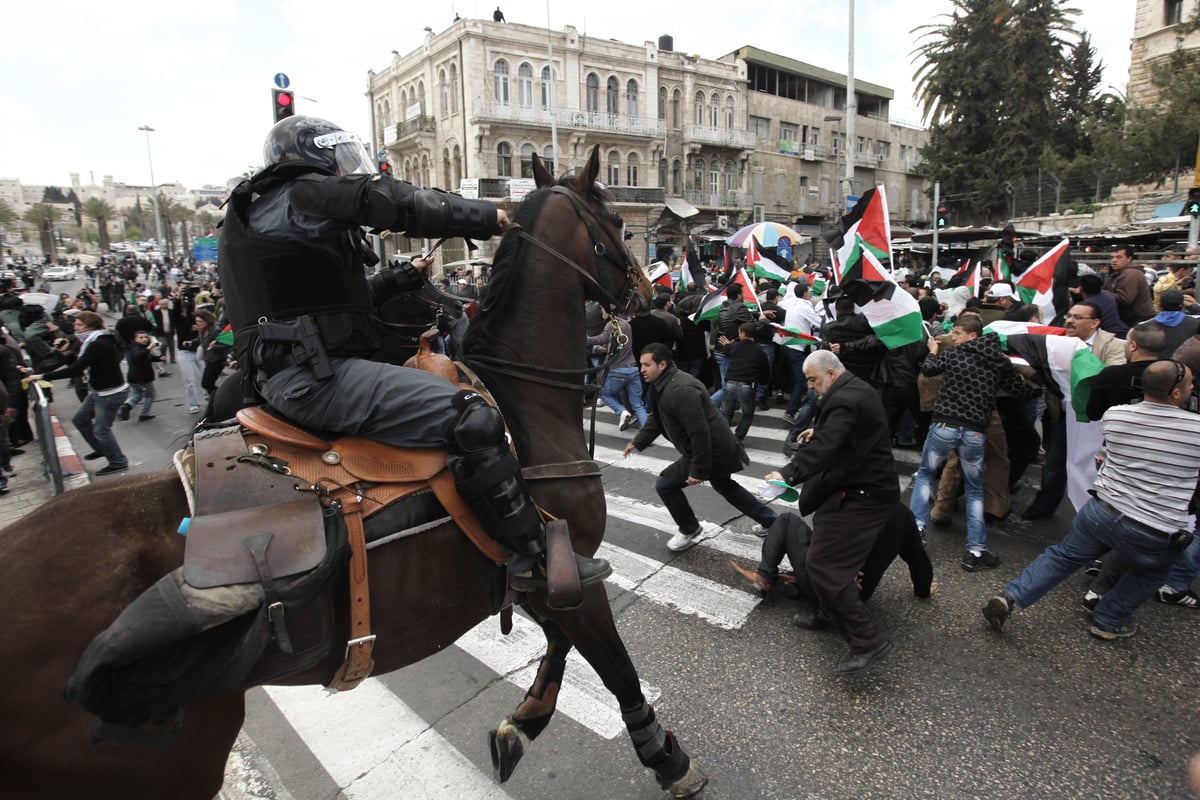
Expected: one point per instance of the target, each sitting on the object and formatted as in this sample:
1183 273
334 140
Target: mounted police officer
292 264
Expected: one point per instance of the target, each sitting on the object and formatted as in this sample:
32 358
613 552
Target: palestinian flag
692 266
973 281
789 337
960 276
766 262
892 312
1044 284
686 281
1005 328
225 337
867 228
710 306
818 286
660 274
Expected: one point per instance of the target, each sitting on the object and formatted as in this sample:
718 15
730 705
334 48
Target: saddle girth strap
358 662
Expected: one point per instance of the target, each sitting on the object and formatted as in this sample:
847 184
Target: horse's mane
502 274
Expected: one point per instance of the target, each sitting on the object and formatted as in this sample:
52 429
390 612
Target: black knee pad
479 426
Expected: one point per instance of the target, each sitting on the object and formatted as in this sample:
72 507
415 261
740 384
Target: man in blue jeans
100 359
681 411
1139 507
974 368
617 337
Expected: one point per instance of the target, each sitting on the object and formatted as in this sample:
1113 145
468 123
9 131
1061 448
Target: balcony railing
636 194
725 137
421 124
569 118
718 199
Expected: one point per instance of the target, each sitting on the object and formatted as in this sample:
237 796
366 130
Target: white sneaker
680 542
626 420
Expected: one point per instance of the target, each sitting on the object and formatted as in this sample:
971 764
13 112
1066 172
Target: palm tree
98 209
44 217
170 212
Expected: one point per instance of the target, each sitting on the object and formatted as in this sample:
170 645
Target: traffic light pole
937 203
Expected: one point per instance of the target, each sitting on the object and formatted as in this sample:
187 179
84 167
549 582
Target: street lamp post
837 164
153 187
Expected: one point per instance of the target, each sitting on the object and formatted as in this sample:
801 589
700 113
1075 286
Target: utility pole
154 189
851 112
937 202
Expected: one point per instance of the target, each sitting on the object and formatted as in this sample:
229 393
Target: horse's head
618 281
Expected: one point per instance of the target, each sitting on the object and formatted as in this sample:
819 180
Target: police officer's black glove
395 281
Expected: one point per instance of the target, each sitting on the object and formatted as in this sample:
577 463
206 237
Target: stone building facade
687 144
1156 34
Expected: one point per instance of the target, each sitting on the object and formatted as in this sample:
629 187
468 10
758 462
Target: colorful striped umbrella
768 234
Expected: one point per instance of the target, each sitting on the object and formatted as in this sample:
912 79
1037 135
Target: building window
548 158
698 175
525 86
714 110
662 103
444 92
862 144
814 136
789 132
612 98
504 160
676 101
500 87
614 168
456 163
662 173
729 185
631 98
714 178
547 88
1172 12
699 116
760 127
526 161
631 170
780 188
419 97
676 176
593 93
446 168
729 112
453 88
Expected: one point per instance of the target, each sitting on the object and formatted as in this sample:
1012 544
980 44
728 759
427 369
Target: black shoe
812 619
861 662
1090 601
111 470
123 414
591 570
992 519
997 610
974 563
92 456
17 452
145 417
1093 568
763 405
1036 513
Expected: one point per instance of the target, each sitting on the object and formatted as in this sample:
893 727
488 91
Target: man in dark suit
845 463
678 407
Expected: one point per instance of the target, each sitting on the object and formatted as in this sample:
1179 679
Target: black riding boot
488 477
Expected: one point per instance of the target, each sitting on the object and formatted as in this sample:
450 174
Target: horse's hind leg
592 631
531 717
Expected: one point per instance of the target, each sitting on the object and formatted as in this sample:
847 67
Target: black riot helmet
310 140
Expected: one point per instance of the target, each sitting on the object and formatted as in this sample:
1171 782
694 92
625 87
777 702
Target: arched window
403 99
729 187
613 97
547 88
662 173
676 102
444 93
698 175
419 97
408 170
500 87
631 98
714 108
699 115
504 160
593 93
548 158
631 170
525 86
425 171
676 176
614 168
526 161
662 103
729 112
714 178
453 88
456 164
446 169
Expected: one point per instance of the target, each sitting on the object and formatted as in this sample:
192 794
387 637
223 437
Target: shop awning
680 207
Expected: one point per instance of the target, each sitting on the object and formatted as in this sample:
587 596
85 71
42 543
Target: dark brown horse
69 568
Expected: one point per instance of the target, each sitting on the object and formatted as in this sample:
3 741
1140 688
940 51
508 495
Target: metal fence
44 428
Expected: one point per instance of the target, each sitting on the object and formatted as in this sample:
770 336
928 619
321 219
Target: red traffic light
385 168
285 103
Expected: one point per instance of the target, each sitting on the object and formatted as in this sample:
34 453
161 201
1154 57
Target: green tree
1161 136
985 80
98 209
44 217
8 217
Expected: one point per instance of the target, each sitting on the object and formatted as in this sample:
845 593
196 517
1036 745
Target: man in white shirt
802 317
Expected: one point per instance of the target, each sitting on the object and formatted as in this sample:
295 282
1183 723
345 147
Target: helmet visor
348 152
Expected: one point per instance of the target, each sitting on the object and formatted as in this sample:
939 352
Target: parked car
59 274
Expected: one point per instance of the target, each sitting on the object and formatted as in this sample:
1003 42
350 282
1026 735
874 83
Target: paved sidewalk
31 487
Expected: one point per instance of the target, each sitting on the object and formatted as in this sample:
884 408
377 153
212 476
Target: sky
77 79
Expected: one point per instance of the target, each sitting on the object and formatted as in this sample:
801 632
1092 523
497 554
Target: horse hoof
690 785
507 744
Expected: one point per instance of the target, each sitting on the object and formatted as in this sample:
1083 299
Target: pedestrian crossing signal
941 218
1192 206
284 103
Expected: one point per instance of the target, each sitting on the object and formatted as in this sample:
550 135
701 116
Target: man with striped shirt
1139 506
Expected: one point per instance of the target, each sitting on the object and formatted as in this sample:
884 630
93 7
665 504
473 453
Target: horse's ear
587 177
541 175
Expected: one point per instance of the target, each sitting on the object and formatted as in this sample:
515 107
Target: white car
59 274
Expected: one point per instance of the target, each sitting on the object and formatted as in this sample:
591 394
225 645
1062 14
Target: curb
72 464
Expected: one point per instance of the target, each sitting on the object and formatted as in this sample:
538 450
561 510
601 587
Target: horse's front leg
592 631
509 740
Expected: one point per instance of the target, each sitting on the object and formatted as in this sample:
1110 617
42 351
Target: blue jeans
189 370
626 378
738 394
670 490
795 359
941 440
769 350
143 393
1186 568
722 367
94 421
1093 533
